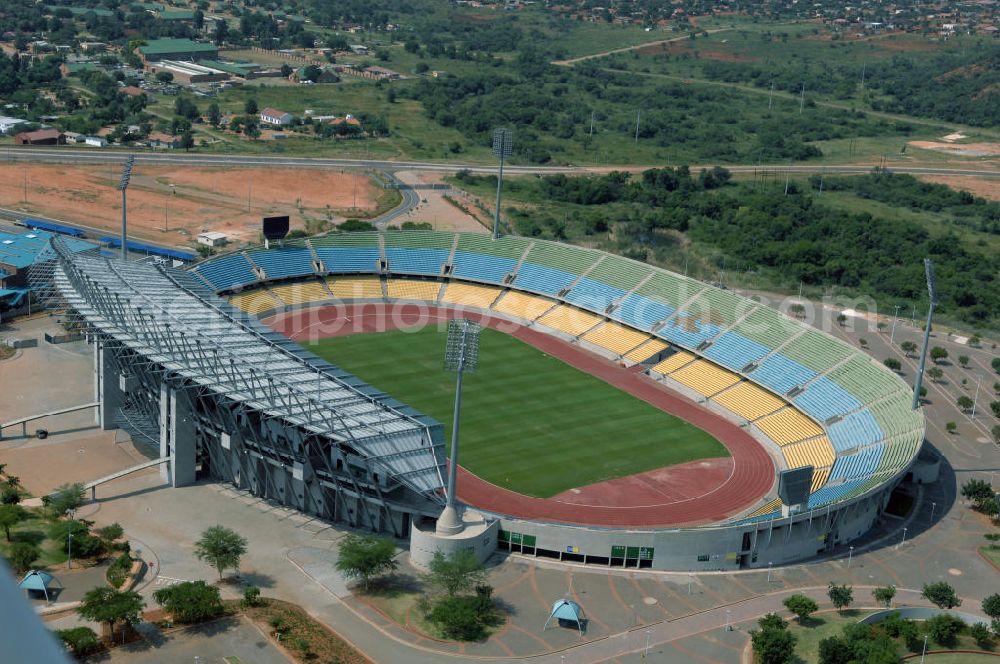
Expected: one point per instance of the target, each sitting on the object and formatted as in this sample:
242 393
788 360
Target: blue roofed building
18 252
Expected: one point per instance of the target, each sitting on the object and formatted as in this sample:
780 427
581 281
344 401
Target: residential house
273 116
162 141
41 137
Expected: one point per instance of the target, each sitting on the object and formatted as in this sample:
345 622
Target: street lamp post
903 540
850 556
923 653
933 507
729 626
461 356
503 147
123 187
645 652
769 567
895 317
69 540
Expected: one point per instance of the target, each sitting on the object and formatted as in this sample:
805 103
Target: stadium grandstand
810 399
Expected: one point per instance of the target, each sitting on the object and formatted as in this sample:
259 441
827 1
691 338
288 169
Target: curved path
751 474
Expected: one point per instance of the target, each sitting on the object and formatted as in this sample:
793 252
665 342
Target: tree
164 77
996 434
22 556
464 618
798 310
977 490
187 140
964 361
995 407
81 640
251 596
10 516
840 596
67 497
951 427
892 363
964 402
801 606
835 650
975 340
943 629
938 354
995 363
214 114
365 557
250 107
941 595
220 547
773 644
981 633
221 33
109 607
83 545
991 606
908 347
841 319
457 573
884 595
935 373
191 601
111 533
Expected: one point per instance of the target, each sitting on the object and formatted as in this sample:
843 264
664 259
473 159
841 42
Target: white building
212 238
6 124
273 116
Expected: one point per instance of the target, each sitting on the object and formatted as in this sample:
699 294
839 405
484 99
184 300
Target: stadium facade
229 399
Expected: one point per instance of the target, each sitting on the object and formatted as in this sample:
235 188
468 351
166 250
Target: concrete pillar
165 469
109 392
182 440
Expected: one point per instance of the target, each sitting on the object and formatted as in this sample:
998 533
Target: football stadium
621 414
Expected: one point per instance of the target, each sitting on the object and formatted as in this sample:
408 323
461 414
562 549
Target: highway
96 156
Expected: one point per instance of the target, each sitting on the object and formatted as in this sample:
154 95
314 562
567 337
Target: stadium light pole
461 356
123 187
895 317
503 146
932 292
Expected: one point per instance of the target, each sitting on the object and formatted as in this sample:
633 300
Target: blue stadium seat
832 493
542 279
349 259
641 312
416 261
855 430
677 331
735 351
481 267
228 271
858 465
824 398
593 295
278 263
781 374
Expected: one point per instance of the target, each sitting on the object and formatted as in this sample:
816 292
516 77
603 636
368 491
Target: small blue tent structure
568 611
36 580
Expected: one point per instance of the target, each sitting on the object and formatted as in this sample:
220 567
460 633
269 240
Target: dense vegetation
795 236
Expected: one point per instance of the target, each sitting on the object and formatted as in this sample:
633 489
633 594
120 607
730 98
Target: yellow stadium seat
301 292
522 305
819 479
766 508
616 338
412 289
704 377
674 362
355 288
470 295
817 452
788 426
748 401
570 320
255 302
647 350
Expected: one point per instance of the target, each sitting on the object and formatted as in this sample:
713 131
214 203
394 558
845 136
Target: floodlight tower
122 187
932 292
503 146
461 356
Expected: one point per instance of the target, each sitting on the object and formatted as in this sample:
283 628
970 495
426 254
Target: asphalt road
98 156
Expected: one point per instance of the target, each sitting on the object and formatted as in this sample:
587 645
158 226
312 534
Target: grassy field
530 423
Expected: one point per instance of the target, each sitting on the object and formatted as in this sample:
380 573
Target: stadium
698 402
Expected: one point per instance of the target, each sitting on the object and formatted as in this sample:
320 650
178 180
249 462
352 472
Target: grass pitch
530 422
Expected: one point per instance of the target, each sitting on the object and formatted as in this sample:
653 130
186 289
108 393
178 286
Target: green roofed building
177 15
177 49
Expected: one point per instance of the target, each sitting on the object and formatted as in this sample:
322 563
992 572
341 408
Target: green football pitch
530 422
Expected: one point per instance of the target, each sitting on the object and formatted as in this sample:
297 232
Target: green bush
118 570
251 596
22 556
81 640
944 629
191 601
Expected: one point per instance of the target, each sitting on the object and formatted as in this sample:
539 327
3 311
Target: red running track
692 494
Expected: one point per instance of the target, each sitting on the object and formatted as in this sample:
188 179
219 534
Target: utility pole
770 96
892 332
863 68
592 124
802 98
638 114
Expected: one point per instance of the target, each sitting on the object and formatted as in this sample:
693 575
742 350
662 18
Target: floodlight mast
503 146
461 356
932 292
122 187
